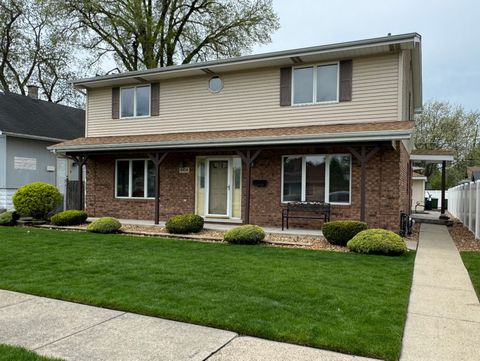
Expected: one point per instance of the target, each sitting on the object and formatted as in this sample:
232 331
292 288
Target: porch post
157 159
248 159
363 157
442 209
81 160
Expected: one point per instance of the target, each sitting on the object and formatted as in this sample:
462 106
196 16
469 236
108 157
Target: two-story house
235 140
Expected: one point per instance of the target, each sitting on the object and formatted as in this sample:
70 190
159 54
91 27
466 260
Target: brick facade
387 188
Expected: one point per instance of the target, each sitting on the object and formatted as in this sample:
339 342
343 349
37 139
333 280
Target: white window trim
328 158
315 66
135 101
130 174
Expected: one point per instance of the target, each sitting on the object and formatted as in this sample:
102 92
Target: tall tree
446 126
38 46
155 33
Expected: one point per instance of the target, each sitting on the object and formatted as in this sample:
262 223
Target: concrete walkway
443 320
78 332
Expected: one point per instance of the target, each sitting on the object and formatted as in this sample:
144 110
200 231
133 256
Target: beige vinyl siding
251 100
407 87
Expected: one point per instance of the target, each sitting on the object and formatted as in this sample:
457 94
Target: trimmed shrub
247 234
37 200
378 241
184 223
8 218
340 232
104 225
69 218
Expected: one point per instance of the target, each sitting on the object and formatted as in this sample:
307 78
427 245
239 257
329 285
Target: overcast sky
450 31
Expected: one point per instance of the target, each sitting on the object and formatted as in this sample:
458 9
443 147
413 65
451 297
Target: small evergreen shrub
8 218
69 218
378 241
104 225
37 200
184 223
247 234
340 232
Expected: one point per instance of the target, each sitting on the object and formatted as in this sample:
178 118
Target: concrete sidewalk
443 320
78 332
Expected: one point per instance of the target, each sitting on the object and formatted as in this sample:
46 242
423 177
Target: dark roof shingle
21 114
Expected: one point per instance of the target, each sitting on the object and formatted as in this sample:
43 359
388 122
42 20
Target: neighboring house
235 140
28 126
473 173
418 191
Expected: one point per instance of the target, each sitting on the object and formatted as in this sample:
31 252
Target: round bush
69 218
184 223
104 225
340 232
37 200
247 234
378 241
8 218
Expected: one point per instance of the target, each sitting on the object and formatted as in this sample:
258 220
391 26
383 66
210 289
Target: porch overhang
436 156
344 133
432 155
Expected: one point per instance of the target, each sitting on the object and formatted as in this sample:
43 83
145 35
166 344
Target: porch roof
332 133
432 155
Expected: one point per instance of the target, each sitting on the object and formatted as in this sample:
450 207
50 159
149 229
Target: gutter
278 55
34 137
253 141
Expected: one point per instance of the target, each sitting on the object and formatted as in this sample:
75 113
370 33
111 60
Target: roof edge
384 40
253 141
34 137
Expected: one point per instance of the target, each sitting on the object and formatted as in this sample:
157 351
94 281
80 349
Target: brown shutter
345 80
285 86
115 103
155 99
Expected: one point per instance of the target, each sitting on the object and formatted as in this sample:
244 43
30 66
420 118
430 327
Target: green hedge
37 200
104 225
8 218
340 232
378 241
69 218
247 234
184 223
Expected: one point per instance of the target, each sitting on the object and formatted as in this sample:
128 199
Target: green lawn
340 301
13 353
472 263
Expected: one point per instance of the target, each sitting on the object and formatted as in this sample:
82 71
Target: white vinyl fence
464 204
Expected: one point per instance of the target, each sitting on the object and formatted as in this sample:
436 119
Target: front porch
241 177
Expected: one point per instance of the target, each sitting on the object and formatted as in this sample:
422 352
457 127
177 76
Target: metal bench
316 210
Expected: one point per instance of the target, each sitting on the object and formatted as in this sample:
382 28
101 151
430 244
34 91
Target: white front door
218 182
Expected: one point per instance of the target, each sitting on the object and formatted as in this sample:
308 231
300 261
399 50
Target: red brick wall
386 188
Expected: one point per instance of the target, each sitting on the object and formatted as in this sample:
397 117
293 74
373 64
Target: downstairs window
134 178
316 178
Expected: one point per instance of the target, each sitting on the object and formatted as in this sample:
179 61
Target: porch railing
464 204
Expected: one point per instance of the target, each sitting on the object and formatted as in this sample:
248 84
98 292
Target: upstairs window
135 101
315 84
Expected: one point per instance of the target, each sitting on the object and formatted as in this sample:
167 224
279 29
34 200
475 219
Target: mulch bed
415 233
207 235
464 239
